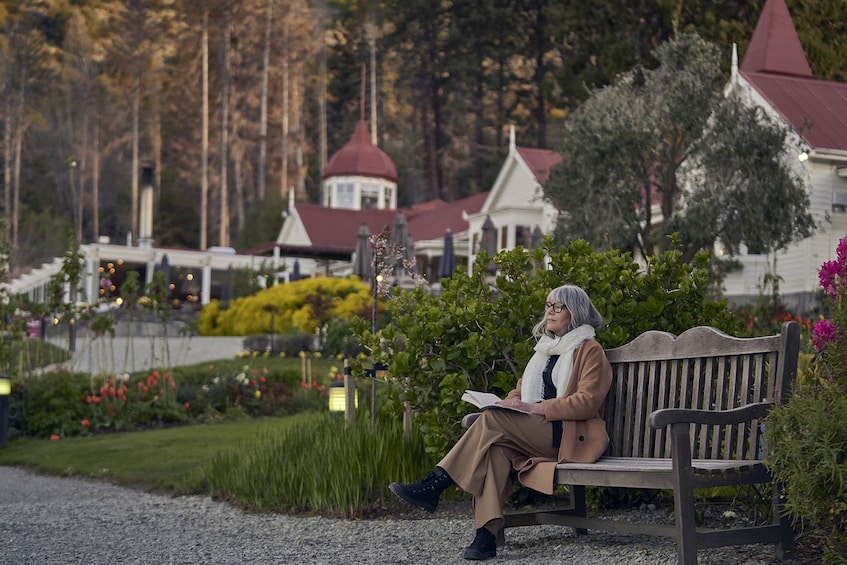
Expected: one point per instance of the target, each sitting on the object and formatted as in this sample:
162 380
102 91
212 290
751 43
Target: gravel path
51 521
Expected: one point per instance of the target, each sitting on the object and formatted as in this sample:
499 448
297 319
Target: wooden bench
684 413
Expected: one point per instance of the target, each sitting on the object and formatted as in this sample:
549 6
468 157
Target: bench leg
577 493
785 547
683 496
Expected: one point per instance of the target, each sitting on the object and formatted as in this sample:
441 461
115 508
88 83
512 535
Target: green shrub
54 404
476 335
319 465
67 404
806 443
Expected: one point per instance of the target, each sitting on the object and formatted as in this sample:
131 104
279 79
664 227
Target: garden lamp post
5 391
271 309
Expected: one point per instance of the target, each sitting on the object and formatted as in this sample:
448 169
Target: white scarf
532 385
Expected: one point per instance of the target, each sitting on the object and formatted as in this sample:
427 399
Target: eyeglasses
557 307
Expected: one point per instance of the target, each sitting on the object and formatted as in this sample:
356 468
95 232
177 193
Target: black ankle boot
424 493
484 546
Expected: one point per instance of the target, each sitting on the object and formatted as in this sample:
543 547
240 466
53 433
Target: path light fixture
339 389
5 391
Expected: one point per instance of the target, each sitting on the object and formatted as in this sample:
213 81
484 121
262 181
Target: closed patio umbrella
448 257
489 243
363 255
295 272
400 237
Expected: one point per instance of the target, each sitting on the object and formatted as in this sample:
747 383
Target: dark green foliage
339 339
806 443
54 403
476 335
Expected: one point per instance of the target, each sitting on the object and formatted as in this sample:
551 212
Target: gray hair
581 309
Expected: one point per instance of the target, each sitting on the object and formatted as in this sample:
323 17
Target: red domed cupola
360 157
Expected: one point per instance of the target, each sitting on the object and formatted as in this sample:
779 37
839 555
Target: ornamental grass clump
320 465
806 438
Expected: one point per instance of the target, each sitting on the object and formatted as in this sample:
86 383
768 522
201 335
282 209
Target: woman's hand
523 406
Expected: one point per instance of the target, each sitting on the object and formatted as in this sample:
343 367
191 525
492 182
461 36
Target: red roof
776 66
335 229
775 46
540 161
360 157
432 224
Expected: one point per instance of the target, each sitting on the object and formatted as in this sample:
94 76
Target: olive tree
662 150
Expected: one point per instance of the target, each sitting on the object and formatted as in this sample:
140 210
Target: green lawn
173 459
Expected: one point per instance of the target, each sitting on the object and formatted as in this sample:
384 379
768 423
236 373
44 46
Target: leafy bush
807 450
477 335
67 404
54 403
305 305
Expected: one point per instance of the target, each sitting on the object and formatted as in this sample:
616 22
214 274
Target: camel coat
581 409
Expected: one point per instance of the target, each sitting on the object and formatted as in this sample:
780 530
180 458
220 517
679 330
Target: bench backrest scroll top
702 368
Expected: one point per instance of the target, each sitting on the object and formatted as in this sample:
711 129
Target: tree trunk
19 142
136 110
263 112
204 135
322 110
95 182
371 31
7 166
540 71
224 228
297 109
283 188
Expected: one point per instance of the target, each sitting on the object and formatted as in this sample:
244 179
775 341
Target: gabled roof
776 66
539 161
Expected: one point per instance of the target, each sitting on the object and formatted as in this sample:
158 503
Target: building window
388 196
504 237
370 196
345 192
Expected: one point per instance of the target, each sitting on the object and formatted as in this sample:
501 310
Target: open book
487 400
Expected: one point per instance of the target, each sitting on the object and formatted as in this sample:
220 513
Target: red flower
54 437
187 406
261 379
85 424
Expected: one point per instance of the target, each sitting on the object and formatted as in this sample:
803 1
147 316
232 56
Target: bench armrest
746 413
470 419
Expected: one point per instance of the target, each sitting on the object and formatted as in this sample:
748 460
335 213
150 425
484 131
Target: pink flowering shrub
807 437
830 333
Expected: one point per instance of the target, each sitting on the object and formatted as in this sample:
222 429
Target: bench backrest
703 368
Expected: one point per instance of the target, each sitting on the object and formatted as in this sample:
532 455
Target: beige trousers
481 461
